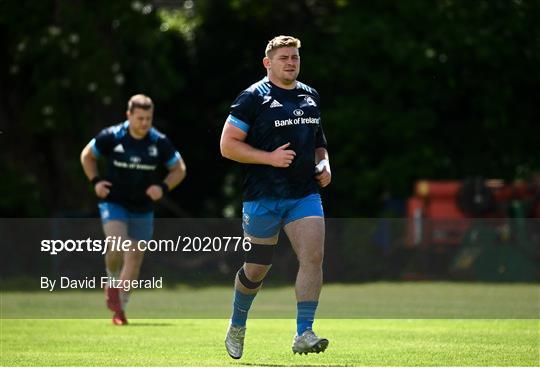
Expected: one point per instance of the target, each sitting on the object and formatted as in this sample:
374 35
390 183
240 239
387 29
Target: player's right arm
233 144
90 168
234 147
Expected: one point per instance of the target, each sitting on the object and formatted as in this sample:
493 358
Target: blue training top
272 116
132 164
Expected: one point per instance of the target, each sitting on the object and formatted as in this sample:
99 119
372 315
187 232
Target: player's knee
256 272
258 261
313 258
249 282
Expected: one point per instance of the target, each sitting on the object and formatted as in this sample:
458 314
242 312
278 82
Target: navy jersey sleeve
168 155
103 143
243 111
320 138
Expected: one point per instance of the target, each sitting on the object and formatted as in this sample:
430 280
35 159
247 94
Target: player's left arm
177 173
177 170
323 174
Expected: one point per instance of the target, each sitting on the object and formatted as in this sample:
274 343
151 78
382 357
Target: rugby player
274 128
133 150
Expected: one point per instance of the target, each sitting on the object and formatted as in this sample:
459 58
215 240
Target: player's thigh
140 229
304 226
307 237
260 223
116 228
114 218
141 225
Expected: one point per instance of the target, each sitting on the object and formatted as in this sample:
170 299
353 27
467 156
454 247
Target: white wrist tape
322 165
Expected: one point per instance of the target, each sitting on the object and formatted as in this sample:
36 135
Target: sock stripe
305 316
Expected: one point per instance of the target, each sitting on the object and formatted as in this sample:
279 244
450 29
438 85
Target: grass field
198 341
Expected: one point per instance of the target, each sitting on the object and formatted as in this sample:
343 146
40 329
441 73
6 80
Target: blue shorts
264 218
140 226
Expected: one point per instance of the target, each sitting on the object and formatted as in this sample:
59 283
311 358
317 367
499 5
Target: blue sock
305 316
241 304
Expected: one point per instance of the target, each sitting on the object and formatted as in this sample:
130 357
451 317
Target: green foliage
70 68
441 89
426 90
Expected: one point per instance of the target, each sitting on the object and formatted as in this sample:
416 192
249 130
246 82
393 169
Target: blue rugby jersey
132 164
272 116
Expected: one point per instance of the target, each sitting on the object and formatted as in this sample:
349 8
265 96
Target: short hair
140 101
281 41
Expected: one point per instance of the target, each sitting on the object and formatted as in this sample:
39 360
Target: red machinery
441 211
